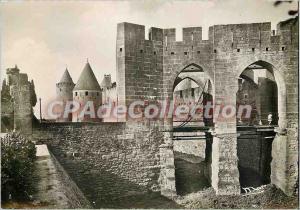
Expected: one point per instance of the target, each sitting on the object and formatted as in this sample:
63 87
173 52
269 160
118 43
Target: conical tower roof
66 78
87 80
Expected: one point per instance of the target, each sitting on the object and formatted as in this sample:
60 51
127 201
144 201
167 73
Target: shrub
17 166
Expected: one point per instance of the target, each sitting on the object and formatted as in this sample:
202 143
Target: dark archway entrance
192 142
258 91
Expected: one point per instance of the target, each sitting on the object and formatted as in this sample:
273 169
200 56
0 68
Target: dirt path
50 193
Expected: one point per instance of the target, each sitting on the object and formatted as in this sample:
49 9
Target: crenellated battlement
221 37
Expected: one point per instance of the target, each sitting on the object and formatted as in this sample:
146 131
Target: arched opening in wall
187 94
192 90
257 115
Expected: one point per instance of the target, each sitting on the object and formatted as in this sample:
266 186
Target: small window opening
97 93
185 53
193 92
121 49
75 93
267 49
86 93
154 53
181 95
166 40
238 50
215 51
283 48
198 52
172 53
141 51
253 49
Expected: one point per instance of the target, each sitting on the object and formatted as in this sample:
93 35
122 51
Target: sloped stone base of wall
108 161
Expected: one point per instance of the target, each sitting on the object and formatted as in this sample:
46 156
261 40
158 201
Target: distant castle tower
87 89
17 99
106 82
109 90
64 90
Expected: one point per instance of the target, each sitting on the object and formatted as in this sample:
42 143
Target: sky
44 37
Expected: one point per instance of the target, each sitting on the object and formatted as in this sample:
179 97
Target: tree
293 13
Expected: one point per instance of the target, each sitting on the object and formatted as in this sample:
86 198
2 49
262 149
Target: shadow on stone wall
115 165
254 148
107 190
190 173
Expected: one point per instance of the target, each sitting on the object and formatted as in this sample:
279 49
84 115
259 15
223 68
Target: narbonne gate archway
191 141
268 122
257 89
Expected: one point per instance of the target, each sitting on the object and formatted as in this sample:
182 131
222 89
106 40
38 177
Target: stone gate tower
147 69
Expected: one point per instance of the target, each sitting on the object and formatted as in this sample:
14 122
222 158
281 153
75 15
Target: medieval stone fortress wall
110 160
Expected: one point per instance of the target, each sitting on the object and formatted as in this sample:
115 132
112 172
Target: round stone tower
64 90
87 93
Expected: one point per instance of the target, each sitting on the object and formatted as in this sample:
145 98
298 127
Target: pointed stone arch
281 85
192 68
280 173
